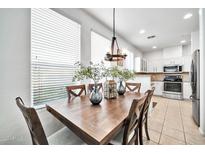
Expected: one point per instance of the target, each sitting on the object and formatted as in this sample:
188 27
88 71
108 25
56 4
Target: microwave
172 69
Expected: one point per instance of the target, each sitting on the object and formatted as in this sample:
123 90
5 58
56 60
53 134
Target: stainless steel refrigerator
195 86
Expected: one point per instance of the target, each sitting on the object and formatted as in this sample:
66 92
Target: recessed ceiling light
142 31
187 16
154 47
183 41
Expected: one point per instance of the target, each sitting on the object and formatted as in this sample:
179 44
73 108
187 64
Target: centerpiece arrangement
110 86
96 72
123 75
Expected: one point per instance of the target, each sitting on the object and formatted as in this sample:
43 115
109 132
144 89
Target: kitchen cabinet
184 61
159 65
140 64
158 87
187 64
174 61
172 52
173 55
145 81
155 65
178 55
186 90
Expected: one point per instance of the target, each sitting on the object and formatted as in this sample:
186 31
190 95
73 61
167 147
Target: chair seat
64 136
117 140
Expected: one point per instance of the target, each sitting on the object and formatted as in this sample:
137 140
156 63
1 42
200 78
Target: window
129 61
55 47
99 47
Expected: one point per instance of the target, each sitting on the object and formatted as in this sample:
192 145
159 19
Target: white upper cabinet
154 61
178 55
150 66
140 64
187 63
173 61
173 55
172 52
186 58
155 65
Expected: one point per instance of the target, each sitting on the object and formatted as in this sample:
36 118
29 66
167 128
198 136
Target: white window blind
55 47
99 47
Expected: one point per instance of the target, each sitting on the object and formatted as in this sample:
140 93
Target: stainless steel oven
173 86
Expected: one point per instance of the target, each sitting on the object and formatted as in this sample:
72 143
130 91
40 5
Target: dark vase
95 96
121 88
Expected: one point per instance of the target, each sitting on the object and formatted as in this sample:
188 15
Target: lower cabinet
158 87
186 90
145 81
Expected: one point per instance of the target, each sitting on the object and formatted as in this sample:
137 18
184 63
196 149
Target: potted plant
123 75
94 72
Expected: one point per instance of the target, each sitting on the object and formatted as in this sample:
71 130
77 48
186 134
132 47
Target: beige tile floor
171 123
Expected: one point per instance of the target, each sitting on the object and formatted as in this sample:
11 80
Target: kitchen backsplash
160 76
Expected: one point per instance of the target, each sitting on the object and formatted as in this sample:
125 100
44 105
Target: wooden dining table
94 124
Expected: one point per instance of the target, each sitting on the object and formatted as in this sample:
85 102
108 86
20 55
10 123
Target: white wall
186 50
15 67
89 23
202 71
153 55
194 41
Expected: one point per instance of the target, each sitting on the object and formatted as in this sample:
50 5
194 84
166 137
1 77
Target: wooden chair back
71 90
132 122
91 86
33 122
145 108
133 86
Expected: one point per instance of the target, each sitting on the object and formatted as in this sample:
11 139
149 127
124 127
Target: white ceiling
167 24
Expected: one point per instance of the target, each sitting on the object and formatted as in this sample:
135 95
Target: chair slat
71 92
133 86
132 121
91 86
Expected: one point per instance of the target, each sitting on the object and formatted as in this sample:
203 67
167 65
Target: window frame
105 37
42 105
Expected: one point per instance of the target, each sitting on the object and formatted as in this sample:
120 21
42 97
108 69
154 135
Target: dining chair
143 119
129 134
91 86
64 136
75 91
131 86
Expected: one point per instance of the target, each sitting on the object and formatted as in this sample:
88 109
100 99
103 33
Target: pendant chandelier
115 54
